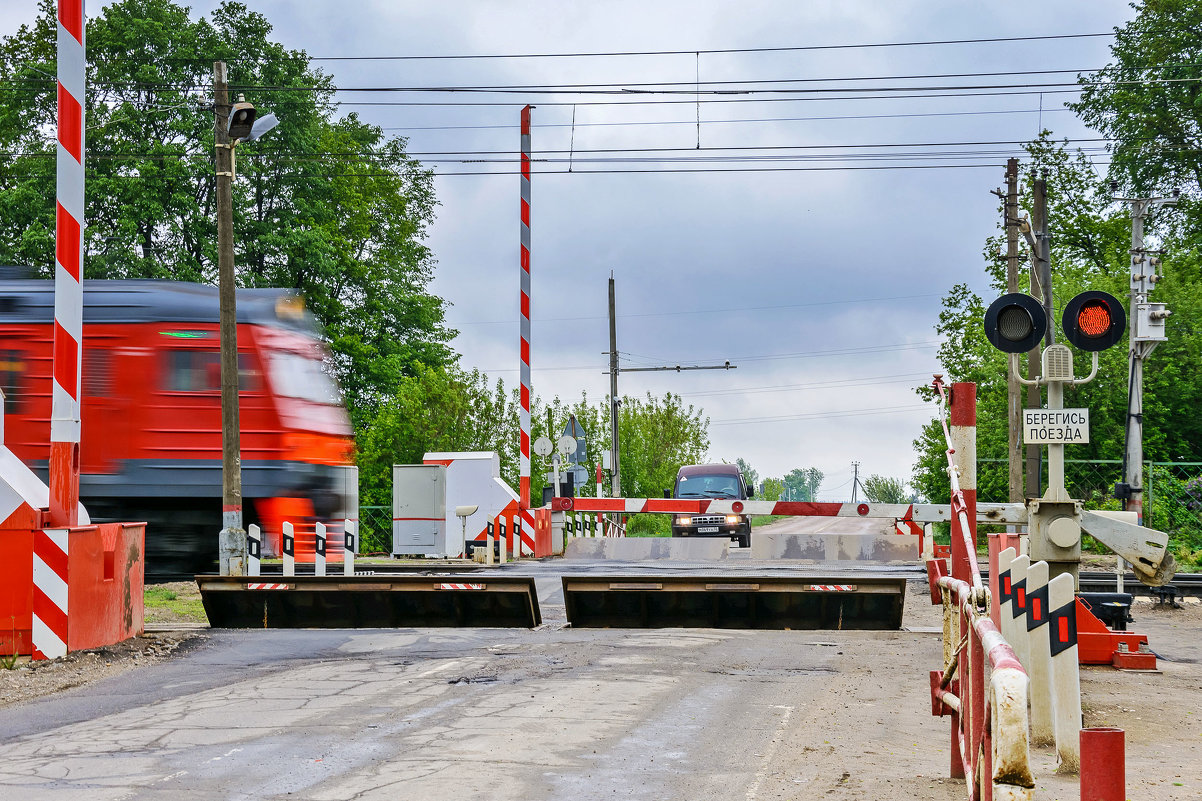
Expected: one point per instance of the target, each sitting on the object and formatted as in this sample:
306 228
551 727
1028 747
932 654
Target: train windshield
295 376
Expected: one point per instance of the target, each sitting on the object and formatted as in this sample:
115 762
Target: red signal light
1093 320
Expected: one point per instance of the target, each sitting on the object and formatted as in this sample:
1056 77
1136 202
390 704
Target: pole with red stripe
68 269
524 344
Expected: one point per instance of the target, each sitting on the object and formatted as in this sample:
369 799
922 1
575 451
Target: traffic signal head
1093 321
1014 323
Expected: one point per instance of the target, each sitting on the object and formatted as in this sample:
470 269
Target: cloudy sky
818 274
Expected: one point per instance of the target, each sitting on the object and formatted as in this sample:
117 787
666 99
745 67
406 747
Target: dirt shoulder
175 621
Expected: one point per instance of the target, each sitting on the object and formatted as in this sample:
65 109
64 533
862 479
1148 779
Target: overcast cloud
798 278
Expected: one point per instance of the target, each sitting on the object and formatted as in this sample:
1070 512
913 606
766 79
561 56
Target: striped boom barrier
254 549
524 325
348 548
50 622
289 548
68 268
917 513
319 549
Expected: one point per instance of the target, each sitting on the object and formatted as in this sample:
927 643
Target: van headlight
732 518
684 521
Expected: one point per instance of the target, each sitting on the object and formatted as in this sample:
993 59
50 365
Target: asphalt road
551 713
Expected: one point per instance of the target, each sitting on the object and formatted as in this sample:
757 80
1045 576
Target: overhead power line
704 52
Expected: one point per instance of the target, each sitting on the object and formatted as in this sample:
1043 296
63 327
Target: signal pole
1146 332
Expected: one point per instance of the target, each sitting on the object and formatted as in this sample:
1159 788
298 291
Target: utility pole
615 368
232 541
613 391
1041 289
855 479
1013 391
1146 332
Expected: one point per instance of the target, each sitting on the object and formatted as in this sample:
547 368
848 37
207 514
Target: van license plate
707 530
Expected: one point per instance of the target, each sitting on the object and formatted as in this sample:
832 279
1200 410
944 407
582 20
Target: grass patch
175 602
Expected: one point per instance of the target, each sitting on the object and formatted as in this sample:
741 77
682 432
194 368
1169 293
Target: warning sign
1055 426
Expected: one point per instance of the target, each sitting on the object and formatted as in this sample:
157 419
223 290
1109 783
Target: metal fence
1172 494
375 529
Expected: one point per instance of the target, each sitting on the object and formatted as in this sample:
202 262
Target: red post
1103 765
963 431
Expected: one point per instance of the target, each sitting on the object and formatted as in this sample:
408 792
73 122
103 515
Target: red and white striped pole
963 432
524 345
68 269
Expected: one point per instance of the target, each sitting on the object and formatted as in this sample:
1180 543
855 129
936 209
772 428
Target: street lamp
232 124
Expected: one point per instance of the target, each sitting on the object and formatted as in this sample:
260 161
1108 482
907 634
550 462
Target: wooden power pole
1013 390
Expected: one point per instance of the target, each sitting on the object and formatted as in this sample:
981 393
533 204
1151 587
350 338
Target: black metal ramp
397 601
752 602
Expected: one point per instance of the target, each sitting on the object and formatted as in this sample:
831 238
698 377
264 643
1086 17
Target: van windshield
703 486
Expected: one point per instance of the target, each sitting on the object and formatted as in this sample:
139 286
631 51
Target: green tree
432 410
1147 100
774 489
326 204
802 484
885 489
750 476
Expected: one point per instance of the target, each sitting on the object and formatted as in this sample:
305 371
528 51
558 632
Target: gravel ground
29 680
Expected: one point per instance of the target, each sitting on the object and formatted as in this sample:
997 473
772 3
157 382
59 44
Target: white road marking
770 753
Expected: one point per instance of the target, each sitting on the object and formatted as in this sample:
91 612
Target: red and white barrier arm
918 512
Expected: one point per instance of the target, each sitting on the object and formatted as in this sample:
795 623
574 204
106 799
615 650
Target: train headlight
684 521
732 518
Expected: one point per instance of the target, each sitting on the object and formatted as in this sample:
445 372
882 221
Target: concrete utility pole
855 479
232 541
615 368
1146 332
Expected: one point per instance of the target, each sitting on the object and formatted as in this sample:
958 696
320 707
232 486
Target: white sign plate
1055 426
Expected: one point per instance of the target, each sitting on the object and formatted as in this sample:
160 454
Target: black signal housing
1015 323
1093 321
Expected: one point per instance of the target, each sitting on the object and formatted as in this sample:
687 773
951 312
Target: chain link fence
375 529
1172 495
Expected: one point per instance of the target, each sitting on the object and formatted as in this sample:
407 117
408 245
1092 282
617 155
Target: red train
151 441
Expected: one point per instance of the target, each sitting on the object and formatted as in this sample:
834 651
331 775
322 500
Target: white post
1018 581
289 550
254 549
491 540
1066 674
348 548
319 549
1043 730
501 545
1005 605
